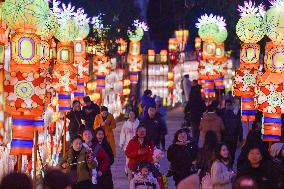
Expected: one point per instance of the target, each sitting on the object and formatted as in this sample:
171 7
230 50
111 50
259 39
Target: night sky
164 16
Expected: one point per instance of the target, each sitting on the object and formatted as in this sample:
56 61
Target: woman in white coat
128 131
221 172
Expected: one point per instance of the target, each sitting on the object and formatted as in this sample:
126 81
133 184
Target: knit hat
276 148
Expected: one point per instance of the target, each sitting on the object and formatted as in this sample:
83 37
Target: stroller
161 179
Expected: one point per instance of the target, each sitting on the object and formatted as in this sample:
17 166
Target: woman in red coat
139 148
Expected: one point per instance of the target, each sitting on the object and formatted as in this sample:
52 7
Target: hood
276 148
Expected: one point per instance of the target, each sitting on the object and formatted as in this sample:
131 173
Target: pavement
174 120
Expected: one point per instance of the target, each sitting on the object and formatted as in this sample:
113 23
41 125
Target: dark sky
164 16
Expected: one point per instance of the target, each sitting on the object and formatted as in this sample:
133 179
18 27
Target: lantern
249 56
219 83
208 70
245 82
208 88
248 108
91 85
164 56
197 43
101 69
122 46
64 101
271 129
151 56
24 84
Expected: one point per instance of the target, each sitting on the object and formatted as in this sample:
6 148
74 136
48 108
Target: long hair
177 133
105 141
217 155
146 139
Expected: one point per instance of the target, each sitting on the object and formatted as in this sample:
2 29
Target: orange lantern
248 108
151 56
122 46
197 43
219 83
209 50
101 69
208 88
64 101
164 56
272 124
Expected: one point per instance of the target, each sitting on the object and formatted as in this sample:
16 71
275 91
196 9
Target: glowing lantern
245 82
272 124
172 45
122 46
209 50
249 56
164 56
219 83
101 69
248 108
134 59
126 92
197 43
151 56
24 85
126 82
182 38
208 88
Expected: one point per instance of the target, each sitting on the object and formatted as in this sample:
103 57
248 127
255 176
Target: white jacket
127 132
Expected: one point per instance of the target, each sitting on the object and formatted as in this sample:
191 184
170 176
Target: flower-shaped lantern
134 58
250 30
80 54
24 85
212 31
270 90
65 73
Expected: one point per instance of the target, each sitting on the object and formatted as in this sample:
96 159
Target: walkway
175 118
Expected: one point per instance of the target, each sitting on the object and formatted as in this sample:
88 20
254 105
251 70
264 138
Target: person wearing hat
277 154
90 111
107 122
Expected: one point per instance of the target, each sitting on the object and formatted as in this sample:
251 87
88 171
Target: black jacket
233 127
278 166
265 176
75 121
181 158
155 127
90 118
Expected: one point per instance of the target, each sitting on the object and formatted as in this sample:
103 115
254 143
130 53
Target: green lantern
221 36
48 27
68 32
250 29
135 35
24 15
84 31
208 31
275 24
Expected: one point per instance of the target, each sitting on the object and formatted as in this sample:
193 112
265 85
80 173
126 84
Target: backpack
206 182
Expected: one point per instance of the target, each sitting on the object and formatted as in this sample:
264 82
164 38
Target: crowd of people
202 155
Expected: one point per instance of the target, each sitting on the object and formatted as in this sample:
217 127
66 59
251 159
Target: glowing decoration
208 70
249 56
164 56
197 43
219 83
245 82
64 101
271 129
151 56
138 32
99 28
208 88
274 61
212 28
68 32
24 15
122 46
48 26
274 22
101 69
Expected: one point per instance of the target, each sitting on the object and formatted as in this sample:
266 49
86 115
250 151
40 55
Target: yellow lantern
197 43
122 46
126 82
172 45
151 56
164 56
91 85
126 92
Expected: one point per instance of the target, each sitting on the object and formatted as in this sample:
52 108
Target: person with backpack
233 128
95 151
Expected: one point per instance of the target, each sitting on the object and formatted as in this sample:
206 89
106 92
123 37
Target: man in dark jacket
90 111
233 128
154 125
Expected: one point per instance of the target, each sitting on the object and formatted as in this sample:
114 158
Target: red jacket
132 153
102 158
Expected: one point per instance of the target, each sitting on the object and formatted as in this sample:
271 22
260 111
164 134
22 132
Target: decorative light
151 56
122 46
138 32
164 56
197 43
91 85
172 44
250 27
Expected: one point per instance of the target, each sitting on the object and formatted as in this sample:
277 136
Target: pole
64 135
147 75
35 159
247 127
19 163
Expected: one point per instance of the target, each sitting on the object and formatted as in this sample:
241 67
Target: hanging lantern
271 130
64 101
101 69
133 77
249 56
164 56
151 56
80 91
197 43
208 70
245 82
172 45
248 108
122 46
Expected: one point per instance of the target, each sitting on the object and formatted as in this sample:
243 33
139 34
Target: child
76 161
144 179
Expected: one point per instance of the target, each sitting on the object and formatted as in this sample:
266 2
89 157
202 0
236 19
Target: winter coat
194 110
181 158
75 123
108 129
102 158
186 87
132 152
211 122
155 128
233 127
146 103
278 166
264 175
127 132
221 176
90 118
83 168
140 182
